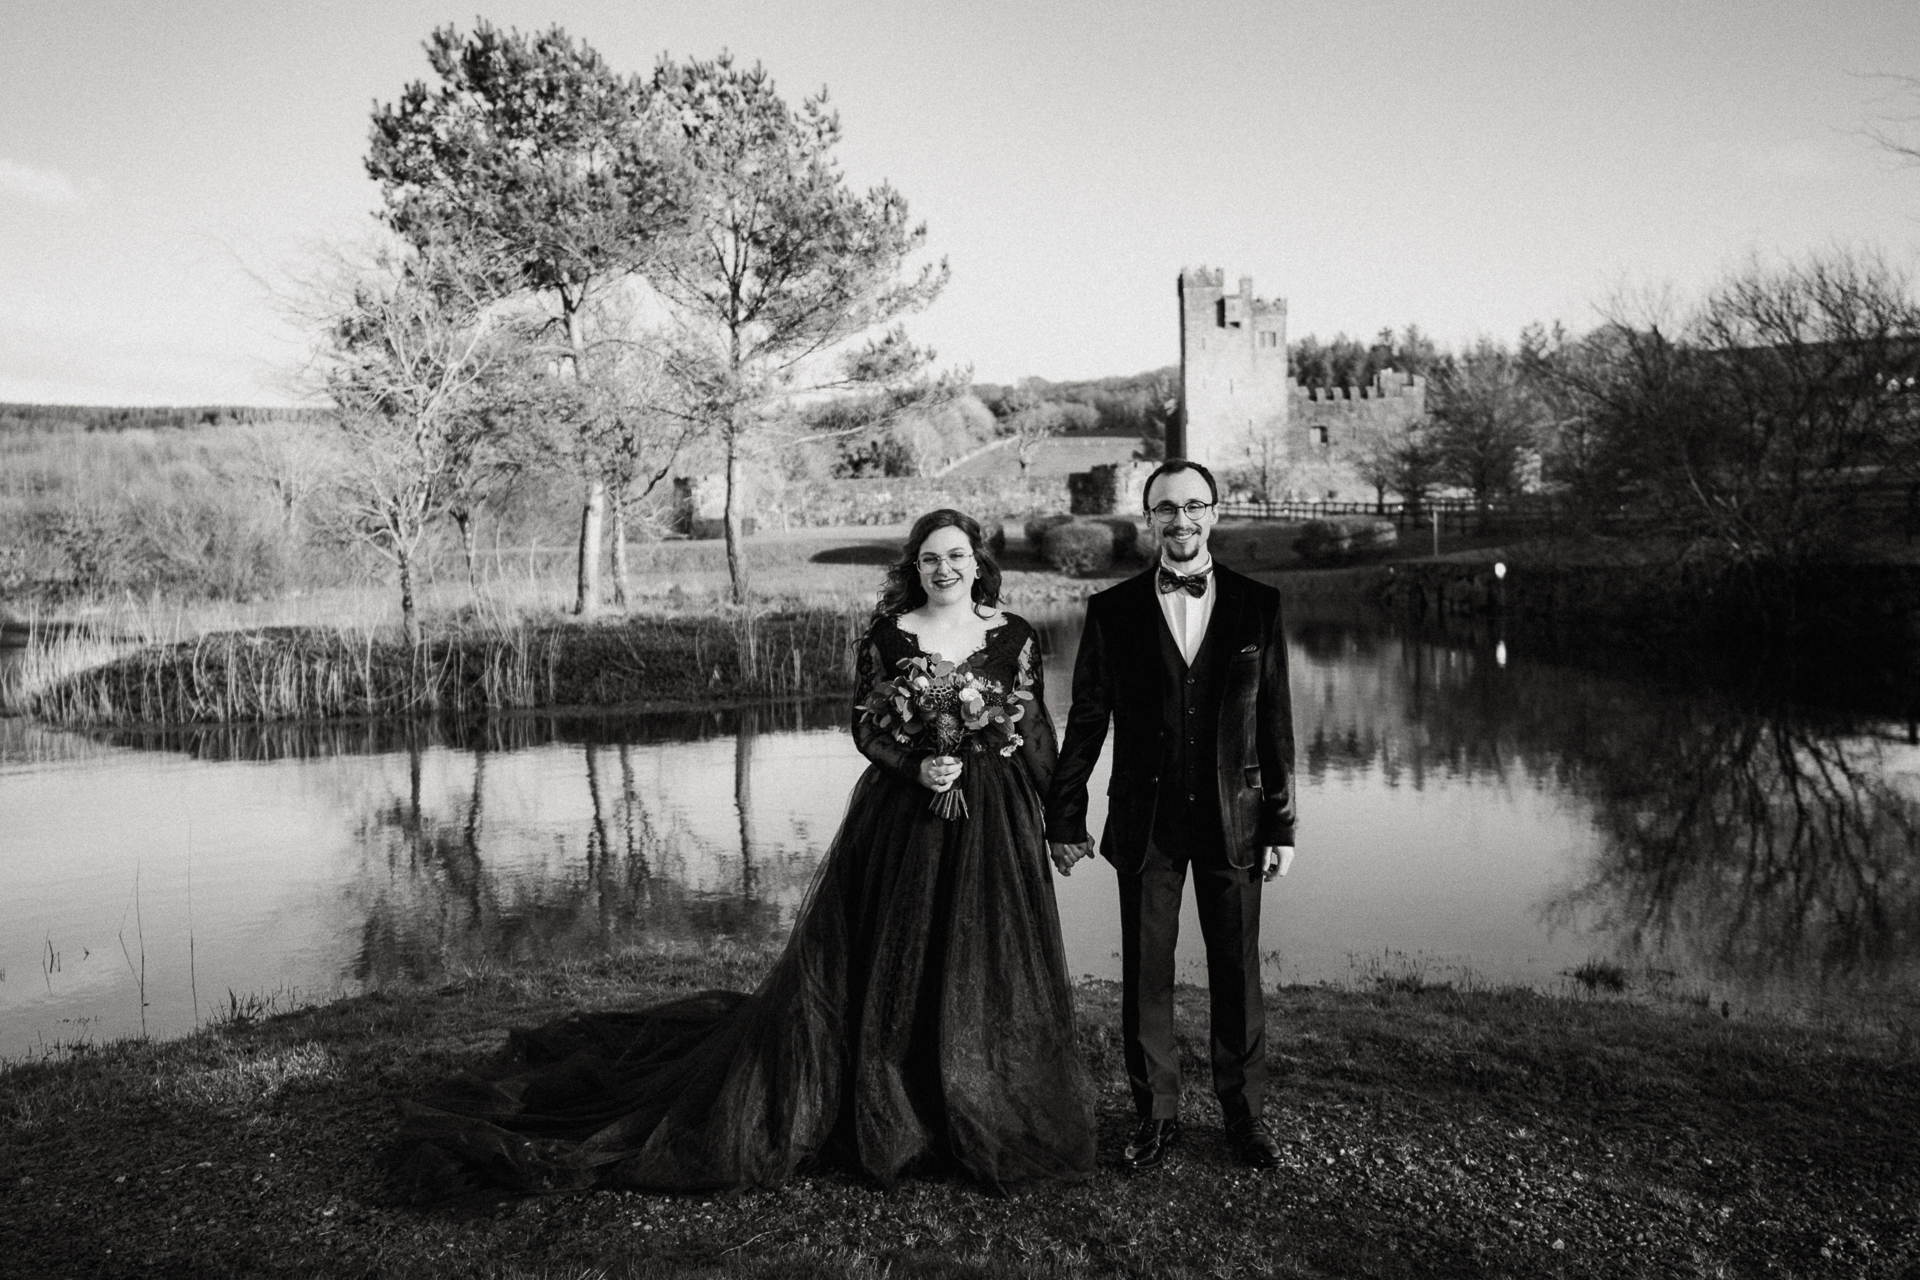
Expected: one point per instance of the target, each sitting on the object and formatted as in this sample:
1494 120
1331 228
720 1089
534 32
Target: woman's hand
937 773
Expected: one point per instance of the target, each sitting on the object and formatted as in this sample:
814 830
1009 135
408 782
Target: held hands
1274 859
1065 855
939 773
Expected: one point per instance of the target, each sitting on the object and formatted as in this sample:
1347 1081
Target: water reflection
1743 839
1757 844
1509 821
312 740
453 889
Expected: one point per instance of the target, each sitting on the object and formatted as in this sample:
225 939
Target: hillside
1059 456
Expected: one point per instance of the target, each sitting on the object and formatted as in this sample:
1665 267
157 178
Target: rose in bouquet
937 706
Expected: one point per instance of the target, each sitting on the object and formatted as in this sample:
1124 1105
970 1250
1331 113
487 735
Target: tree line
1754 422
92 417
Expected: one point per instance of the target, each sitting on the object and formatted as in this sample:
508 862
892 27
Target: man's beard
1180 553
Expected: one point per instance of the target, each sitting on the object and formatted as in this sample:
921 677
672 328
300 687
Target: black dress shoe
1150 1143
1253 1142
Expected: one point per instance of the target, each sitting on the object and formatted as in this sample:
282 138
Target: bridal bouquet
934 705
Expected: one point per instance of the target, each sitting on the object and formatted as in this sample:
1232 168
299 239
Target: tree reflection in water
454 883
1751 835
1751 831
1762 843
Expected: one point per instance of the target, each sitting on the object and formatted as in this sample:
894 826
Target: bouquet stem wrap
948 737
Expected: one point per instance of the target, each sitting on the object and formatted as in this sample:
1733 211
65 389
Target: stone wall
890 500
1240 405
1329 430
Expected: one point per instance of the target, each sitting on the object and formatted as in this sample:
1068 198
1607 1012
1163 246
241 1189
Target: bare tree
290 463
533 143
1483 422
1574 461
1811 376
1268 469
1903 139
637 428
1755 425
409 339
622 422
1033 426
482 462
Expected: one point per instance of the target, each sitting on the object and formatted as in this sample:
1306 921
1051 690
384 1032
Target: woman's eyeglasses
957 560
1166 511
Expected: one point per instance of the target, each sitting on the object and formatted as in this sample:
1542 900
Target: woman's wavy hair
901 592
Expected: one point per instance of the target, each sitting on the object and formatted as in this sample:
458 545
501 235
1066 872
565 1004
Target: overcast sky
1466 166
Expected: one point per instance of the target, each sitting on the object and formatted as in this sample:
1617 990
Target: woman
919 1017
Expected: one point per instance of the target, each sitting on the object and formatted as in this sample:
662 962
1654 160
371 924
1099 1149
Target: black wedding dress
919 1018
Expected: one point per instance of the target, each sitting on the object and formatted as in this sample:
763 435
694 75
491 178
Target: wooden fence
1453 515
1883 505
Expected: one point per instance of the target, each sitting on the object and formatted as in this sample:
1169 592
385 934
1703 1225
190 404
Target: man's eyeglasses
1166 511
958 560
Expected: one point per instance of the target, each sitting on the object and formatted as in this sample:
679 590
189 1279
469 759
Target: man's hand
1275 860
1065 855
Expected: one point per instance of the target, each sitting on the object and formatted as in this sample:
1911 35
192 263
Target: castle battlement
1386 385
1240 402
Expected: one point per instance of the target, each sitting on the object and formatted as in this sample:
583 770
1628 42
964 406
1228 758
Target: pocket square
1252 648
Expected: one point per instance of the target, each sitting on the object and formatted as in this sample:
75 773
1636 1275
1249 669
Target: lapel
1147 637
1229 604
1223 627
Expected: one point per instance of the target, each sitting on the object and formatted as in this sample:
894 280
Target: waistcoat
1186 819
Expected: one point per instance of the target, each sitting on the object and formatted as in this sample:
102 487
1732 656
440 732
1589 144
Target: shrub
1095 492
993 532
1341 538
1126 536
1078 548
1036 527
708 528
1373 533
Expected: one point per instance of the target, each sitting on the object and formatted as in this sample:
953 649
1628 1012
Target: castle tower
1234 386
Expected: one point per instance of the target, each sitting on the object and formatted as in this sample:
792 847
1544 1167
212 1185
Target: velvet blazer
1122 676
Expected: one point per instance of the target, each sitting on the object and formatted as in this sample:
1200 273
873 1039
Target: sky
168 166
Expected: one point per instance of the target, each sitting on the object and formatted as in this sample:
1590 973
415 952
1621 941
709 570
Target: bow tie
1194 584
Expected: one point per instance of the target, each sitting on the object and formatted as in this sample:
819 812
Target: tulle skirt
920 1017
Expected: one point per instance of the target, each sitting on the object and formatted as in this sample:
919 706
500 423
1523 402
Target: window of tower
1319 434
1268 338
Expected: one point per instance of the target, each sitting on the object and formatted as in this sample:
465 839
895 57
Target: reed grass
311 673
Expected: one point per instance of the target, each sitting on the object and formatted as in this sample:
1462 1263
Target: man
1189 662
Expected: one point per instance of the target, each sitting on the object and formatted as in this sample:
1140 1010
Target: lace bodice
1010 655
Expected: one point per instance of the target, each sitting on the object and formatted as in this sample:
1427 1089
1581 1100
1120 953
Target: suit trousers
1228 902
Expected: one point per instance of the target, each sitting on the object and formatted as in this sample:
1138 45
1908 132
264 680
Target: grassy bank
338 653
1426 1132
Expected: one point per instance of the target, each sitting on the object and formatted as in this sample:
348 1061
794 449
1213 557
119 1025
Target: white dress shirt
1187 615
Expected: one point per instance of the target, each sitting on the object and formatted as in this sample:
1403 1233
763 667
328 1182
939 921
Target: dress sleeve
1087 721
1039 748
876 743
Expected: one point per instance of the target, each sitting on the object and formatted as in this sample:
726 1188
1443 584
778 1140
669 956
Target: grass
1428 1132
338 652
314 674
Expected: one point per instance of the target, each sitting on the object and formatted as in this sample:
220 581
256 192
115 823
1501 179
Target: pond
1472 811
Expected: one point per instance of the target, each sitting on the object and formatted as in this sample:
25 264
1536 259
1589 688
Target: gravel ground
1426 1133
